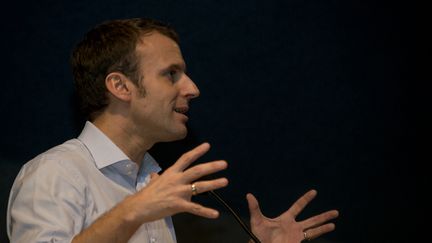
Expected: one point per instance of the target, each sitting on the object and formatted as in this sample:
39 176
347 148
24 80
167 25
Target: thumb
254 209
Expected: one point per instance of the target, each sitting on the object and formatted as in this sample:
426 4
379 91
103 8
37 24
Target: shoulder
67 161
50 191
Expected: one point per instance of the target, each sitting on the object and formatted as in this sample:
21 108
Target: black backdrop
295 95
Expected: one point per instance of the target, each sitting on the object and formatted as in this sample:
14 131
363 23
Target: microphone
237 218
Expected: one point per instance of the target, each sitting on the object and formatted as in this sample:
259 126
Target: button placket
129 169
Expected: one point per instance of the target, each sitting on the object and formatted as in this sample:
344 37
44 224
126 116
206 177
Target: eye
173 75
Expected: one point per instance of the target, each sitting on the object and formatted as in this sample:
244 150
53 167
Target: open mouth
181 110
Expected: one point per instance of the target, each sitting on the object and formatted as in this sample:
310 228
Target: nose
190 90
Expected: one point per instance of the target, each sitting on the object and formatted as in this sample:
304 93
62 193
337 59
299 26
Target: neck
124 135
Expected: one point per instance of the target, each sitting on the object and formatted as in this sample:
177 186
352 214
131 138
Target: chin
182 135
178 135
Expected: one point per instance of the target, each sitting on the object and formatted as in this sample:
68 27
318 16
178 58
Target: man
104 186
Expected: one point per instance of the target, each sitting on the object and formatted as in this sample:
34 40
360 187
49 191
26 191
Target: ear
118 85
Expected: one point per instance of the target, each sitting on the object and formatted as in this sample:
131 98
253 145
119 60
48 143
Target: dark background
294 95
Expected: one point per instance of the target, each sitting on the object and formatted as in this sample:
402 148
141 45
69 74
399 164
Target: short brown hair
110 47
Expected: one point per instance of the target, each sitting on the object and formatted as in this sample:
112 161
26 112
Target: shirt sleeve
46 204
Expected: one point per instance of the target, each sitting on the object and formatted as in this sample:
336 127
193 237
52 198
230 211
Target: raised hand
171 192
285 228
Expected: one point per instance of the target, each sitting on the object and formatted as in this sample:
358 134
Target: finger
318 231
187 158
201 170
205 186
301 203
254 209
197 209
319 219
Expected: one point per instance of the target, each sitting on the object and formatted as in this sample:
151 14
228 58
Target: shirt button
152 240
128 166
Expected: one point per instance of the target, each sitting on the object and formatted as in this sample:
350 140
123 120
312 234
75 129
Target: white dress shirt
65 189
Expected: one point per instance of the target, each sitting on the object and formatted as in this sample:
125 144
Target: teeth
179 110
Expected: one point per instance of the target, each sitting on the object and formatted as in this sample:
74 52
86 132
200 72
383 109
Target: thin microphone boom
243 225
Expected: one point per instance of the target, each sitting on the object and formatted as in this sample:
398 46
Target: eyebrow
175 66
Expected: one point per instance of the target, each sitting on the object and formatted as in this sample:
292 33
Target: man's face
159 113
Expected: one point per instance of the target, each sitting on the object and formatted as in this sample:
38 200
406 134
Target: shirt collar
106 153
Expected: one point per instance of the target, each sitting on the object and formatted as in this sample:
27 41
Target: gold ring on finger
305 236
194 189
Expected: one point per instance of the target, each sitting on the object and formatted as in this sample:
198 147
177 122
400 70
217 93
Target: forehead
157 49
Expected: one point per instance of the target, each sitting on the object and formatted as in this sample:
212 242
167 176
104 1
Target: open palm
285 228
